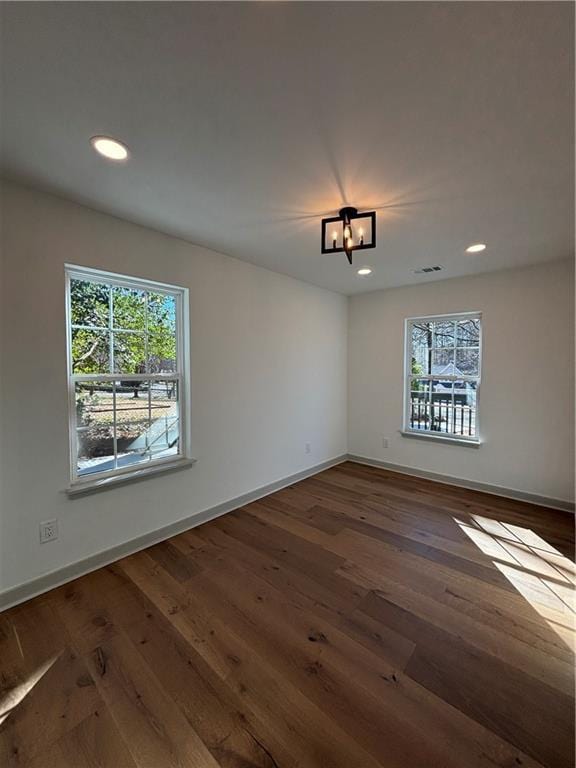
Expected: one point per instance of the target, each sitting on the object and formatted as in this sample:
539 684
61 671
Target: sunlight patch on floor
10 700
536 569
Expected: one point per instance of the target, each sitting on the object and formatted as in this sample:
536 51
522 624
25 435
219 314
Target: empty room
287 385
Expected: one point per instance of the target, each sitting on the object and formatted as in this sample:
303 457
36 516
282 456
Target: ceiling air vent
426 270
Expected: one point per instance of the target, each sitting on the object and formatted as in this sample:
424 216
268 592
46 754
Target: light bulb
110 148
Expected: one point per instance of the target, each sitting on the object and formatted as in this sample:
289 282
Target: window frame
181 375
408 376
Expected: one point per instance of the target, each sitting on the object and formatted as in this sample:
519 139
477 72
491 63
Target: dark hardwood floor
360 618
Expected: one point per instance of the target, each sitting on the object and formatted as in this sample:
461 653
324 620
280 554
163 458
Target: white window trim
439 437
79 484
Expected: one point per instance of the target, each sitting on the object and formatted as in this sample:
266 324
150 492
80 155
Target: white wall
268 374
527 397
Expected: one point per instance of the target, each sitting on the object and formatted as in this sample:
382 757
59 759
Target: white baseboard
47 581
56 578
461 482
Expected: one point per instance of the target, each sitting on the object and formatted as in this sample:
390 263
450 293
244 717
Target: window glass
129 352
89 303
129 309
90 351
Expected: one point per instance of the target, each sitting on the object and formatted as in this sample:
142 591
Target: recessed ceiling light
476 248
110 148
364 271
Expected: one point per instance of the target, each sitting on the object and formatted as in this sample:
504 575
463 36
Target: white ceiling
249 121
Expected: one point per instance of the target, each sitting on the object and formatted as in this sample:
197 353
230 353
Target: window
127 374
442 376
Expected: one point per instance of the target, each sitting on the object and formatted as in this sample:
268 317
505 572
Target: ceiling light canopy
476 248
364 271
349 231
110 148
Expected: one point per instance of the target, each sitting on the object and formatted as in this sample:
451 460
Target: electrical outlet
48 531
384 442
307 448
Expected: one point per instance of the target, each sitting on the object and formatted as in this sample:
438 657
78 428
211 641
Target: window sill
441 439
101 484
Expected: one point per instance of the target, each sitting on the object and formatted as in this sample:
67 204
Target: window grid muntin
177 378
110 330
409 377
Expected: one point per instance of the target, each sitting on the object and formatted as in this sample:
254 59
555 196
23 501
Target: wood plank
526 596
53 699
367 695
91 607
521 648
208 704
490 691
285 720
330 594
154 728
179 566
93 743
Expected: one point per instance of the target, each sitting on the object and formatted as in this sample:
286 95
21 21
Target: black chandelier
349 231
